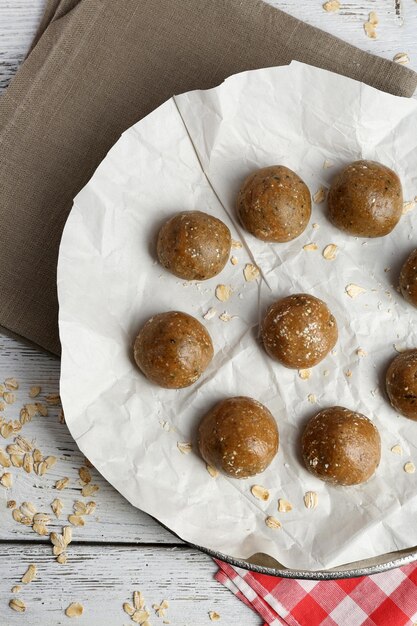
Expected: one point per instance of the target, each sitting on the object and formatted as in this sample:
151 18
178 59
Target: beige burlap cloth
95 68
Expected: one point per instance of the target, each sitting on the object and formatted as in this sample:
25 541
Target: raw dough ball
299 331
341 447
194 245
401 383
274 204
366 199
408 279
239 436
173 349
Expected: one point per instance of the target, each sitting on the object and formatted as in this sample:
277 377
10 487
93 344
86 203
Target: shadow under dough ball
299 331
239 436
341 447
401 383
365 199
408 279
173 349
194 245
274 204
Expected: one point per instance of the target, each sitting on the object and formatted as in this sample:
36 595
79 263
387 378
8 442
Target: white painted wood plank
103 578
115 519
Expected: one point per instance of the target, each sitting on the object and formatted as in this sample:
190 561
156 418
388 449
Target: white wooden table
120 549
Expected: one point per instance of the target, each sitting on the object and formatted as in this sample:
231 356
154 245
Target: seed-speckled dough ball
401 383
274 204
366 199
173 349
239 436
299 331
194 245
408 279
341 447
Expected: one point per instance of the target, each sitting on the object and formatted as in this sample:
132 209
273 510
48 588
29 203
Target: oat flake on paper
106 265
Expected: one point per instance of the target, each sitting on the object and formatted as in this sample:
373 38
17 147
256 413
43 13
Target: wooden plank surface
100 573
103 579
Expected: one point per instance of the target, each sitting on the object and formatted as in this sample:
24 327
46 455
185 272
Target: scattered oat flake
284 506
80 508
310 247
184 447
62 483
361 352
312 398
348 373
320 195
128 608
212 471
89 489
331 6
214 616
76 520
373 18
42 409
11 504
40 529
409 467
30 574
57 540
330 252
28 463
34 391
370 30
140 617
236 244
6 480
327 164
311 500
4 459
397 449
316 226
27 508
50 461
226 317
84 474
62 558
402 58
67 535
11 383
223 292
272 522
353 290
234 260
161 608
259 492
210 313
304 374
408 206
250 272
75 609
16 588
37 456
17 605
17 515
6 430
53 399
9 397
90 508
42 518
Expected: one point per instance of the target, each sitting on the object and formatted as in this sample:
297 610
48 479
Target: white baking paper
193 153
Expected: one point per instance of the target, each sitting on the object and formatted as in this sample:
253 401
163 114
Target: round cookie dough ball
194 245
299 331
239 436
274 204
366 199
173 349
341 447
401 383
408 279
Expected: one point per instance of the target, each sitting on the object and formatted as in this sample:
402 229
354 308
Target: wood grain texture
103 579
102 576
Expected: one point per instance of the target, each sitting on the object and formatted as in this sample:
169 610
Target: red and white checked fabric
386 599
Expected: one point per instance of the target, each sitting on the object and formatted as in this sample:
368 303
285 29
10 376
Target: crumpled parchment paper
193 152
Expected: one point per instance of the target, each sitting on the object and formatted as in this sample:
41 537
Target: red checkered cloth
386 599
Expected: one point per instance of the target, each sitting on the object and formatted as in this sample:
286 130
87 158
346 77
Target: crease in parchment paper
193 153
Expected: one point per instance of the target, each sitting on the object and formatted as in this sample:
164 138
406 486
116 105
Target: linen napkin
386 599
97 67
